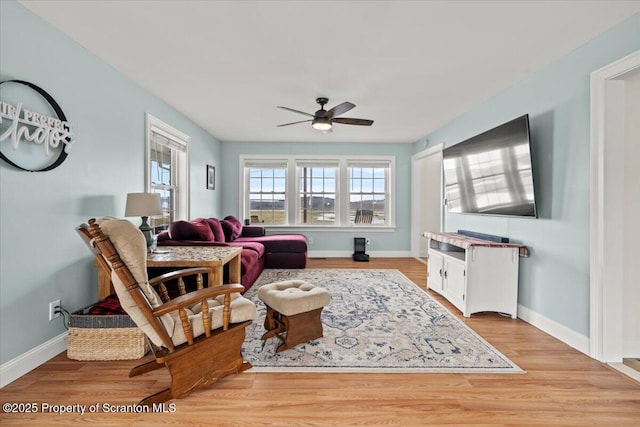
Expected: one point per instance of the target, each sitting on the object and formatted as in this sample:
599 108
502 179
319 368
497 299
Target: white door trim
415 207
606 203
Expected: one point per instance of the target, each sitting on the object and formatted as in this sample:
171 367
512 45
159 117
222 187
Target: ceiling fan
323 120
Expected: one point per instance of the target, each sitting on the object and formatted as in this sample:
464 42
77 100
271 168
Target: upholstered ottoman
293 310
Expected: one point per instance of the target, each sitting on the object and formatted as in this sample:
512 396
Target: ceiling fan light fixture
321 123
323 119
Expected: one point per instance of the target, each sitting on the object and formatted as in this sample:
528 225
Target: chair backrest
121 248
364 216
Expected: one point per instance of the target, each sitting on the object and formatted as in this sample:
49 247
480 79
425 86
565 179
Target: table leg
234 269
215 278
104 282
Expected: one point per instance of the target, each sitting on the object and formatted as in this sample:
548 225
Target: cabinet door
435 271
455 283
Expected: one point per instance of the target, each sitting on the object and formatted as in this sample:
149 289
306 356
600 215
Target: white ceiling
411 66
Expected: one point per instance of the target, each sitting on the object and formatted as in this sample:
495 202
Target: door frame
607 197
415 194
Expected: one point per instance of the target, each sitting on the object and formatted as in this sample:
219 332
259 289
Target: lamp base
146 230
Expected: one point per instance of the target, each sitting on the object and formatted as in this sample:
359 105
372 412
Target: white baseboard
630 372
347 254
17 367
555 329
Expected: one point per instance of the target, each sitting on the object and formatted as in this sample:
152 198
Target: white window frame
370 163
180 162
274 162
316 163
292 201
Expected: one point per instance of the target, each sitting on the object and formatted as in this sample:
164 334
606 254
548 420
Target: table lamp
143 205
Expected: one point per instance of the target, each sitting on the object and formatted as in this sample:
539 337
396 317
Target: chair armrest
196 296
201 296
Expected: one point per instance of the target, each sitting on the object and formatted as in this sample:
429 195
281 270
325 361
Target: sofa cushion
287 260
216 228
256 247
248 258
198 229
232 228
251 272
164 235
296 243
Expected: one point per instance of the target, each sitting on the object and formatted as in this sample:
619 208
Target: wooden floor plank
562 387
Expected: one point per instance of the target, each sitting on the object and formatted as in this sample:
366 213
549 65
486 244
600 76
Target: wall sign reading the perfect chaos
21 129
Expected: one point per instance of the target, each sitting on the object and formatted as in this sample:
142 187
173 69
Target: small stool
293 310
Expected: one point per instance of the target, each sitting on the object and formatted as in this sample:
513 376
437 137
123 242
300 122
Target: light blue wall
42 259
340 241
41 256
554 281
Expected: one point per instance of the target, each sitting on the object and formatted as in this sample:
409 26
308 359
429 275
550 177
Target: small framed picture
211 177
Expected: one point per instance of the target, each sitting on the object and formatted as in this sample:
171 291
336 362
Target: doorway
615 114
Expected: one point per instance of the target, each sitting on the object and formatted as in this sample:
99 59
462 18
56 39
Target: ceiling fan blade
295 123
296 111
340 109
347 121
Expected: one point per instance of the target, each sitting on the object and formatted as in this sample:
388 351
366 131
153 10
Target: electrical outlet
310 240
368 242
53 306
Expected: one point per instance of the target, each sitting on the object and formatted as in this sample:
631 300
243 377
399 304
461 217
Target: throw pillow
216 228
252 231
235 221
228 229
232 228
198 229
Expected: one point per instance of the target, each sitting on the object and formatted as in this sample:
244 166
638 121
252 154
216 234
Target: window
318 192
267 192
167 168
368 193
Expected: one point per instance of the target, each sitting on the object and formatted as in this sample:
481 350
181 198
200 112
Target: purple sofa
259 251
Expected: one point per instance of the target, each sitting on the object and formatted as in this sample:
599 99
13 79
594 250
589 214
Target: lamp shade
143 204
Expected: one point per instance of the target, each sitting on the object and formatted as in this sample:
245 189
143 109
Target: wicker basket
113 337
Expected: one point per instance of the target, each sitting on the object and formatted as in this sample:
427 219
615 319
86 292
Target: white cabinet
454 279
435 272
480 278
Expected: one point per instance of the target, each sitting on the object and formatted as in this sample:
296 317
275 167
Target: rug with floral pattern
378 321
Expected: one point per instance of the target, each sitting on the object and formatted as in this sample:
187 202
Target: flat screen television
491 173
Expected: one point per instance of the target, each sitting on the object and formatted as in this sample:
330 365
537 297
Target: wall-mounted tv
491 173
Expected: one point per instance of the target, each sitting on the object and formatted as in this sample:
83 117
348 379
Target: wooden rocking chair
198 335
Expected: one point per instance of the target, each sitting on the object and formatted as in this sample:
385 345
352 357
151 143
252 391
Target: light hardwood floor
562 387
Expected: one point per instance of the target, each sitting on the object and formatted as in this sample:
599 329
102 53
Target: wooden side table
214 257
